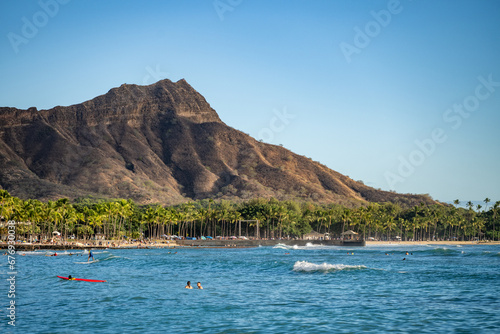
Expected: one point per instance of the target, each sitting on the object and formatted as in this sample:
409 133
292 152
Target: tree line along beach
123 223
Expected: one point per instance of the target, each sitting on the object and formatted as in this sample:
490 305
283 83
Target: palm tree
494 216
321 217
124 211
390 224
470 213
68 218
94 218
345 219
401 222
54 216
478 224
486 201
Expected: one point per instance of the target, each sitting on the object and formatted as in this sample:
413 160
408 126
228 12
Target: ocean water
311 289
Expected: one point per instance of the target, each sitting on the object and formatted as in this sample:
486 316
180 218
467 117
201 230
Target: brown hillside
158 143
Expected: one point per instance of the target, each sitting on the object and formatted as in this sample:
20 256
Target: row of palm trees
266 218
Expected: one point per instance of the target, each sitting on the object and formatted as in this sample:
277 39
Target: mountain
158 143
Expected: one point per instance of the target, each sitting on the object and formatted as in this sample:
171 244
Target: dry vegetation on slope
159 143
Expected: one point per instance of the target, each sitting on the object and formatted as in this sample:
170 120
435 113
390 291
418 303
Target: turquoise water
315 289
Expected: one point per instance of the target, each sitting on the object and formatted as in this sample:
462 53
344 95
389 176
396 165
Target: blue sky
403 95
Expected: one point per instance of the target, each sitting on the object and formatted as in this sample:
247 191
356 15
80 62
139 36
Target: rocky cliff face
158 143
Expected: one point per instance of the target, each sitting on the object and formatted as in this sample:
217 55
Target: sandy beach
234 243
90 245
413 243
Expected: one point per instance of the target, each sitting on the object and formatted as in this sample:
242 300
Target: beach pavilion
350 235
313 235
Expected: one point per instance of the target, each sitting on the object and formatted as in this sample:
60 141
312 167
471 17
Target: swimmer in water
199 285
188 286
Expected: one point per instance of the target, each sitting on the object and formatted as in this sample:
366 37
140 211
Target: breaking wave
304 266
308 245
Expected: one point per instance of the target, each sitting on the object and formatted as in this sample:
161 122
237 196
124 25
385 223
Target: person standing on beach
90 256
199 285
188 286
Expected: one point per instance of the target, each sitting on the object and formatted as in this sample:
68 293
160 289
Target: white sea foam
31 253
59 253
89 262
305 266
308 246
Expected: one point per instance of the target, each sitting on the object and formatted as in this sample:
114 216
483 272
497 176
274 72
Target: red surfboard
81 279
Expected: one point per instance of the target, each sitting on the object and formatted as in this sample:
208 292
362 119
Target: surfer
199 285
188 286
90 256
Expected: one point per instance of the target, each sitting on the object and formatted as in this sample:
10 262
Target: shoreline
83 246
430 243
228 244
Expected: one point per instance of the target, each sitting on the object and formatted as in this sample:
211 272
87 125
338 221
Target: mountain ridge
158 143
